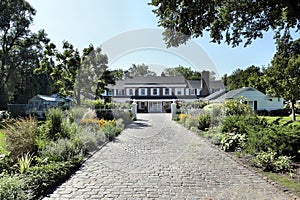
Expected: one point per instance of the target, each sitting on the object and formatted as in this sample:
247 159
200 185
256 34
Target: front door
155 106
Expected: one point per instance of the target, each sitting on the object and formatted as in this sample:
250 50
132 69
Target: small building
254 98
41 103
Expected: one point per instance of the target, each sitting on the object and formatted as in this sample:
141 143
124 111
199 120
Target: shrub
54 120
42 179
236 107
91 138
20 137
284 140
192 122
110 130
24 163
12 188
183 118
243 124
269 161
233 142
280 112
204 121
61 150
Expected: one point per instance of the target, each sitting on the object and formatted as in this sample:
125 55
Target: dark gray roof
233 93
217 84
194 84
156 80
214 95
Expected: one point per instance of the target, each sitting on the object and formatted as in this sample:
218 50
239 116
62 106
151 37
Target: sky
128 33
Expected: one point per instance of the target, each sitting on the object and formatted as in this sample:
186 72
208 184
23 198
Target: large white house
155 94
254 98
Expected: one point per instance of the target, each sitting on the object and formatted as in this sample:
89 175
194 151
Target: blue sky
98 21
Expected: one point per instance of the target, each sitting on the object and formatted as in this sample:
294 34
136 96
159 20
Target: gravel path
155 158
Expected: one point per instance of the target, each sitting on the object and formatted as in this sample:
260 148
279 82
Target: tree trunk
293 111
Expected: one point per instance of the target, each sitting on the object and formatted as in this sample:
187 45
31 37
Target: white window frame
169 91
179 91
119 92
157 91
145 91
130 91
187 91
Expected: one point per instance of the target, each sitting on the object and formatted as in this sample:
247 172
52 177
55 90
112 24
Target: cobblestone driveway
155 158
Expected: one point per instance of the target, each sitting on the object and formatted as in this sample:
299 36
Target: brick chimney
205 91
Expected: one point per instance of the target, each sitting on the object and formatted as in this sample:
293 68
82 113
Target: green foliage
269 161
110 130
24 163
237 107
42 179
242 124
20 137
284 140
225 20
233 142
250 77
283 77
61 150
204 121
187 72
12 188
54 120
20 51
140 70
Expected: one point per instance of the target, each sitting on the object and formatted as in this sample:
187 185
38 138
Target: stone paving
155 158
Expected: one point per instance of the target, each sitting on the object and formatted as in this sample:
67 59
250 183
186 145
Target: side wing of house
259 101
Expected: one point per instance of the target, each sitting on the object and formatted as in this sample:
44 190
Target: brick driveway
155 158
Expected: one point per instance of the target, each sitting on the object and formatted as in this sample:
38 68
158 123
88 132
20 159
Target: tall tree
230 20
283 77
93 75
19 47
187 72
250 77
61 67
140 70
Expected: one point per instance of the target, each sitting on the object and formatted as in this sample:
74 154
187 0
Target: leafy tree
20 50
93 75
187 72
61 67
140 70
233 21
250 77
283 77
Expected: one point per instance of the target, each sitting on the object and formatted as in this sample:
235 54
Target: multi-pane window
167 91
119 92
143 91
179 91
155 91
130 92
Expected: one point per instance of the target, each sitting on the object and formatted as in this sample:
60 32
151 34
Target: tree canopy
234 21
283 77
187 72
249 77
140 70
20 51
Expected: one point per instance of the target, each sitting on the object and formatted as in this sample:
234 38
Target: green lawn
2 141
292 184
282 120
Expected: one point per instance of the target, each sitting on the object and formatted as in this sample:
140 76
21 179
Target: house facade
155 94
254 98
